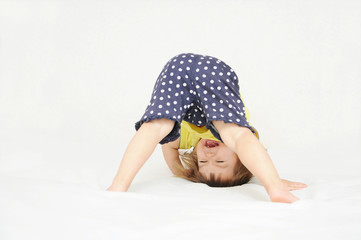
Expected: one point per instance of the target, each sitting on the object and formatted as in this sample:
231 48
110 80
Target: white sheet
66 200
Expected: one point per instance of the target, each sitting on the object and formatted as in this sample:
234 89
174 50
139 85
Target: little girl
197 115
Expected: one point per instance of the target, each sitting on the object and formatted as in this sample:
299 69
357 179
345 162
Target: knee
163 126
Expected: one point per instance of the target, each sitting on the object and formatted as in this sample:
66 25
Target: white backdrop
80 73
76 75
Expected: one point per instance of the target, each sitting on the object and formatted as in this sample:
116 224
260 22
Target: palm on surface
293 185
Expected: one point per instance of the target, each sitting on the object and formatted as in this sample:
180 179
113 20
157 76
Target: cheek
230 155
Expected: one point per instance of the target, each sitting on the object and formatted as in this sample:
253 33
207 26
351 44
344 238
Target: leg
139 150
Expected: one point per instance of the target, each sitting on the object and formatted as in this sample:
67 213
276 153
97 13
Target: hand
293 185
280 192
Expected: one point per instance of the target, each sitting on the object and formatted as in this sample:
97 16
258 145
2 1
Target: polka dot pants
198 89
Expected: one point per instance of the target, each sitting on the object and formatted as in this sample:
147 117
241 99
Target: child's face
215 157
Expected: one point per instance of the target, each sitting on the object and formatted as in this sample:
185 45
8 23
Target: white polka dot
151 112
209 61
213 73
190 60
179 77
162 90
230 114
221 101
170 82
186 76
242 114
238 120
199 63
219 88
188 68
225 87
227 80
168 96
159 114
173 67
181 62
205 68
212 81
161 98
168 103
205 99
163 83
197 86
220 74
214 67
212 88
176 94
197 70
160 106
214 117
202 115
213 104
169 89
174 60
199 122
228 73
179 69
203 83
214 110
227 93
204 75
197 78
177 86
221 109
235 77
182 92
175 102
205 91
145 117
184 84
206 106
154 97
213 96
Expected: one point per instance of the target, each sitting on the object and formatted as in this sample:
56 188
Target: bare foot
115 189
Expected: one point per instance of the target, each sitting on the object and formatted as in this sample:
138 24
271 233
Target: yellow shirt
190 134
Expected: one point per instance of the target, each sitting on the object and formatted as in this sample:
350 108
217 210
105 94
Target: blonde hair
190 171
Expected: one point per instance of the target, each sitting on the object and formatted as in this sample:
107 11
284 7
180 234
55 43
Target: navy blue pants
198 89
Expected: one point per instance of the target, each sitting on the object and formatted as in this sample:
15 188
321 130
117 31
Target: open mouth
211 143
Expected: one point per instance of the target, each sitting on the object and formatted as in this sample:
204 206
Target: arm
255 158
171 155
139 150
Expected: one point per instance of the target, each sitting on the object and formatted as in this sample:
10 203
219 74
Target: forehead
222 172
